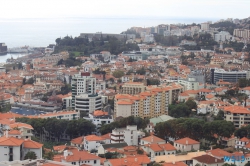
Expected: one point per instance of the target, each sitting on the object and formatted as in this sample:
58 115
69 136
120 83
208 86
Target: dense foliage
118 73
243 82
194 128
58 127
122 123
224 26
111 44
30 155
182 109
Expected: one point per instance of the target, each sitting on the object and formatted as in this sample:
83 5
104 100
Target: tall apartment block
84 97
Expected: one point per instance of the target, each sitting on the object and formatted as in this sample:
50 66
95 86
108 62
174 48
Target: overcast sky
125 8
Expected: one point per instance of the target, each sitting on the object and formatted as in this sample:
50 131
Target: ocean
41 32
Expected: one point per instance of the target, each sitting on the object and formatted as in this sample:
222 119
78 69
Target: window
94 161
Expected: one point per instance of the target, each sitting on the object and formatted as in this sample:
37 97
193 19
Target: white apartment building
128 135
88 103
189 84
67 115
98 118
82 83
92 142
222 36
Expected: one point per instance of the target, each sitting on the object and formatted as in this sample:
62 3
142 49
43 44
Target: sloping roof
78 140
186 141
117 145
207 159
80 155
130 161
10 141
21 125
174 164
161 147
218 153
153 139
93 138
32 144
14 132
59 148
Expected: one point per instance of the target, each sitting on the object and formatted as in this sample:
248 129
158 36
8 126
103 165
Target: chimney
216 160
211 148
65 154
152 139
7 133
187 142
173 162
135 159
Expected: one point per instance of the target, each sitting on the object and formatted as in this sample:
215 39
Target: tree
179 110
30 155
141 71
30 80
24 80
191 104
49 156
220 115
19 66
118 74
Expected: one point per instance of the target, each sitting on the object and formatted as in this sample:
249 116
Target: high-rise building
205 26
84 97
151 103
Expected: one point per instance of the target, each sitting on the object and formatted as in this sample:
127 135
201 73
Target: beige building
133 88
186 144
237 114
153 102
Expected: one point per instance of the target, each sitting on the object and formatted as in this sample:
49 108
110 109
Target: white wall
4 153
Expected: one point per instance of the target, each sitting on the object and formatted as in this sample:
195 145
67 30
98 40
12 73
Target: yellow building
148 104
133 88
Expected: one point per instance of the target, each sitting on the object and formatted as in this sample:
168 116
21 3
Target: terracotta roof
106 136
14 132
207 159
218 153
99 113
93 138
10 141
174 164
21 125
153 139
161 147
59 148
82 155
186 141
244 139
78 140
137 160
32 144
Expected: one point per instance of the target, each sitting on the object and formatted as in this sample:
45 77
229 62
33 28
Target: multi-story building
98 118
133 88
228 76
222 36
128 135
242 33
237 114
67 115
205 26
88 102
162 28
151 103
84 97
189 84
92 142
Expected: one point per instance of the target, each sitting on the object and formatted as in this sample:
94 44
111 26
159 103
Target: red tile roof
186 141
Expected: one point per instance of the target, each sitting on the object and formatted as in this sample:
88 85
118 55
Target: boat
24 49
3 49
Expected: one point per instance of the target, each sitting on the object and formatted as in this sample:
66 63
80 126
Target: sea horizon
40 32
